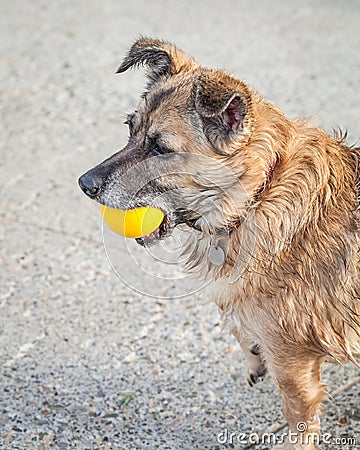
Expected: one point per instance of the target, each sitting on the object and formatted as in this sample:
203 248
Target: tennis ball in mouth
132 223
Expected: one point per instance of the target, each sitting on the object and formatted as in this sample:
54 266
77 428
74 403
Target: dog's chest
235 303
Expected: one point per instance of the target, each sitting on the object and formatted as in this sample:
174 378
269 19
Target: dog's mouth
164 230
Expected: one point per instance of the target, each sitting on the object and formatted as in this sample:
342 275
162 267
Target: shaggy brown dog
280 235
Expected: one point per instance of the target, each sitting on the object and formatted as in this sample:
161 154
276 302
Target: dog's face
189 150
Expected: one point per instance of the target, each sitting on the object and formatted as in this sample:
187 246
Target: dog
273 204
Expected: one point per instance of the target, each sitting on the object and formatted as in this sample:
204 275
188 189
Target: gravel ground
86 362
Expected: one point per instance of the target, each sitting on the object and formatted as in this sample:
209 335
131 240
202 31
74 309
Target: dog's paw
256 374
255 349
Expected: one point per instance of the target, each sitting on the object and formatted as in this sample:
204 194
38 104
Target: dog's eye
156 151
159 150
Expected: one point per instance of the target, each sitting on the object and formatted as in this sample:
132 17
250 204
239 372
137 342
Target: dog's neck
223 232
214 243
217 249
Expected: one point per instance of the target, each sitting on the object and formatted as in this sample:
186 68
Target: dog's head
194 150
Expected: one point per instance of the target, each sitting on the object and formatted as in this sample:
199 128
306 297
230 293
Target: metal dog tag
216 255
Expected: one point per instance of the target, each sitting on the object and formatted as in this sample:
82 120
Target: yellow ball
132 223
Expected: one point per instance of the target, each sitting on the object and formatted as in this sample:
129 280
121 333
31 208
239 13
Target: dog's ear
161 58
224 104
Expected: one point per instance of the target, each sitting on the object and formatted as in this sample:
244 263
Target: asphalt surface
88 359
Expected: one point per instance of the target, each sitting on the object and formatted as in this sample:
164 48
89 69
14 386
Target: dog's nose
90 183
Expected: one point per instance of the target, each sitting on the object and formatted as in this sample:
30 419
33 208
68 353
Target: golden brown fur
289 287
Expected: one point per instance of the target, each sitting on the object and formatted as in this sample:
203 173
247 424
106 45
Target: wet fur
294 292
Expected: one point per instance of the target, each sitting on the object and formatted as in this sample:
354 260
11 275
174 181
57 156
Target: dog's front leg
255 367
297 374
